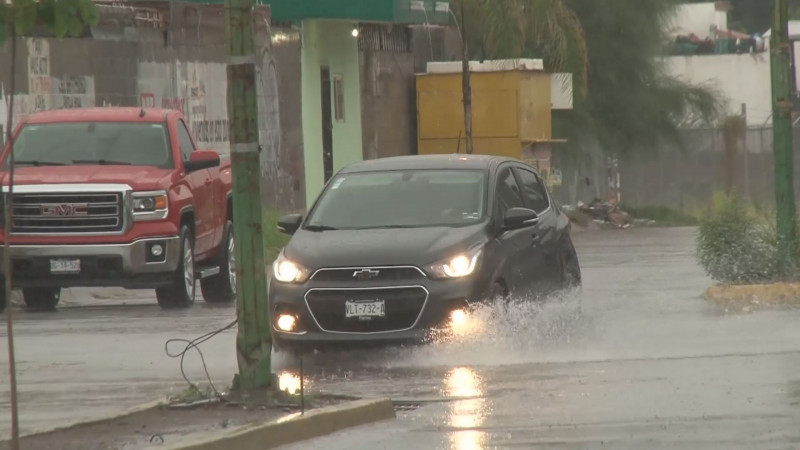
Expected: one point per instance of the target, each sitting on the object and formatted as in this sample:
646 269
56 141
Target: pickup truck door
202 186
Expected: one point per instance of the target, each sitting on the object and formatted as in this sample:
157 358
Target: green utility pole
254 342
782 131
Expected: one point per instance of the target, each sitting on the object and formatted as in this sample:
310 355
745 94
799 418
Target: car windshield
111 143
402 199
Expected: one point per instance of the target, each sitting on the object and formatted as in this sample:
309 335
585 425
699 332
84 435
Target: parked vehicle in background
395 247
117 197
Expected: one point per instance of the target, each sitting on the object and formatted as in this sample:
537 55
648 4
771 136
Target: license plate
65 266
365 309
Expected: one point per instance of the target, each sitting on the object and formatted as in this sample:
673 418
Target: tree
632 105
62 18
509 29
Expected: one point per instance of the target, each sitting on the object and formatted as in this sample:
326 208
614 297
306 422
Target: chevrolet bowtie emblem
366 274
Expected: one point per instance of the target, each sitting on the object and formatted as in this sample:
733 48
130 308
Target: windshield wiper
320 228
39 163
102 162
380 227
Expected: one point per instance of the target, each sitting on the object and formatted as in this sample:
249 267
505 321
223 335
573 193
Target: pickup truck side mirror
201 159
519 218
290 224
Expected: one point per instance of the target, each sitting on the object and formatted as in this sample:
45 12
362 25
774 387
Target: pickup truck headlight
153 205
287 271
458 266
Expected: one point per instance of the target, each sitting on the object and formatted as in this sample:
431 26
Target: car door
514 246
543 255
200 182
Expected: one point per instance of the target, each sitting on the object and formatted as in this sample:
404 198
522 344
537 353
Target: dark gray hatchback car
396 247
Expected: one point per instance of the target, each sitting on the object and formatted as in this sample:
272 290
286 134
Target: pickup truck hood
138 177
381 247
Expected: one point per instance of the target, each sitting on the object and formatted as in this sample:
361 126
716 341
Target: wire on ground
194 344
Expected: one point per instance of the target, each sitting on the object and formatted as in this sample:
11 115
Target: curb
765 295
134 410
296 428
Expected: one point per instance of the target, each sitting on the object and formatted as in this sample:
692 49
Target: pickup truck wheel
180 294
221 288
41 299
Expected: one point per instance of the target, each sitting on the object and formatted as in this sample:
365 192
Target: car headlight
458 266
149 205
287 271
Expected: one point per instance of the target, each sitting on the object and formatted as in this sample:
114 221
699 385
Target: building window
338 98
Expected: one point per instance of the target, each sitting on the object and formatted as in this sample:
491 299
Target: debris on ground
602 213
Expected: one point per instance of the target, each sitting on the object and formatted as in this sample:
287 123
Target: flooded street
648 364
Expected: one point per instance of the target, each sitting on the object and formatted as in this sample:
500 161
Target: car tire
570 267
498 294
221 288
181 291
41 298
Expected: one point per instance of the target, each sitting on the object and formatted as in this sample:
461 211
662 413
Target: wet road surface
648 364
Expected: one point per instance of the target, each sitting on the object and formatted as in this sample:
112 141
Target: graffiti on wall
196 89
46 91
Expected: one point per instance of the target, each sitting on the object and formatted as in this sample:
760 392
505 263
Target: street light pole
782 132
253 342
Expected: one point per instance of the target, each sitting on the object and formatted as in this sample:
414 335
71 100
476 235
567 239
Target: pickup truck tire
221 288
180 294
41 299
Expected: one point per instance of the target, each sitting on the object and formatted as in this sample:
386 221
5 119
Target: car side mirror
290 224
519 218
201 159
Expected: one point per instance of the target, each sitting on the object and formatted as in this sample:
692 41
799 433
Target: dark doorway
327 122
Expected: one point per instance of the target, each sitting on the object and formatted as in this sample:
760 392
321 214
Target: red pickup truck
117 197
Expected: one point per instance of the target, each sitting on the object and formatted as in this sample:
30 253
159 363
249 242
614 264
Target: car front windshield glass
402 199
104 143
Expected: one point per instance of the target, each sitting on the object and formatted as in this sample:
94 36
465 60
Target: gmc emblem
64 210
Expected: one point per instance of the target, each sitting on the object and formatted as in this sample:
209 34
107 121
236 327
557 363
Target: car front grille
356 274
58 213
404 306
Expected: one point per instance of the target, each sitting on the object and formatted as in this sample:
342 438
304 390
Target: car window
185 141
508 192
75 143
533 190
407 199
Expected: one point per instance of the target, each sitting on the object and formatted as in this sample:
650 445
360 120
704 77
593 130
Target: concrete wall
739 78
169 55
329 43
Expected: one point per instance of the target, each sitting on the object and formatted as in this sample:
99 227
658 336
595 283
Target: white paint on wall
738 78
698 18
198 90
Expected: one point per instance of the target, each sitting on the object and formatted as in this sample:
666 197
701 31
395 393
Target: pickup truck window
103 143
185 141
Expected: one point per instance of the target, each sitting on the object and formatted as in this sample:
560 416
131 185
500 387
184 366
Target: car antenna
458 144
141 113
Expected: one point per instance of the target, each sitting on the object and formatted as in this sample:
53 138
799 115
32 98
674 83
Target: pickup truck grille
68 213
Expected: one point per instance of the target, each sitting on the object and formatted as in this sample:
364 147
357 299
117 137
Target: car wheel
180 293
41 299
221 288
570 267
498 295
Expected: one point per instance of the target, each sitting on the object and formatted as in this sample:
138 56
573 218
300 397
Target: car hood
381 247
136 176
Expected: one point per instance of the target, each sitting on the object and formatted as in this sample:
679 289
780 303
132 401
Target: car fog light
287 322
458 318
157 250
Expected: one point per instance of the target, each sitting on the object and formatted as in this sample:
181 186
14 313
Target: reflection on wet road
648 364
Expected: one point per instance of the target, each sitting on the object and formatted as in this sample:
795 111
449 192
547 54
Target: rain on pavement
647 364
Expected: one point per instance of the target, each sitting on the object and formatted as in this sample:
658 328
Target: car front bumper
321 322
128 265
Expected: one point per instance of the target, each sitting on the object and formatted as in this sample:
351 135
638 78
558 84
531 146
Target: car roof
430 162
151 115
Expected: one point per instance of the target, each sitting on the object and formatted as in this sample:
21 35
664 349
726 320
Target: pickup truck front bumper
131 265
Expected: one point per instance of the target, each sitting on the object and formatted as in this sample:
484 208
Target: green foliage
509 29
663 215
61 17
734 246
632 104
274 240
